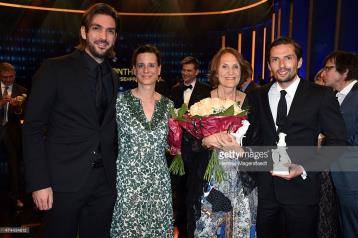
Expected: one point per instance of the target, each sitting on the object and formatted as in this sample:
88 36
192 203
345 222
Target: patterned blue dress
240 221
144 203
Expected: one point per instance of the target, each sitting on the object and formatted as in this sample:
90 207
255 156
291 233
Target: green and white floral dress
144 203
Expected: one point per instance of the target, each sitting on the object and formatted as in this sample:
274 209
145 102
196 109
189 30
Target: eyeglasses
328 67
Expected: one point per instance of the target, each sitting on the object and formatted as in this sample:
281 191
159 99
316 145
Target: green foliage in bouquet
214 169
177 166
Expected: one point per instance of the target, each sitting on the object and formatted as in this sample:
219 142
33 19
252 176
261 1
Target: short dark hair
87 17
190 60
214 65
344 61
285 41
148 48
247 73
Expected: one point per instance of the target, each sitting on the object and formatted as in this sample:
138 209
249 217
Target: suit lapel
298 102
111 105
180 95
84 86
195 94
15 91
267 108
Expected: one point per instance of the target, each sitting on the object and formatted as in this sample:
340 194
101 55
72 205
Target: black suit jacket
61 104
314 109
345 175
17 90
252 86
200 91
11 131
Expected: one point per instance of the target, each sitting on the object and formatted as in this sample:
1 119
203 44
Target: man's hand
295 171
43 198
3 101
14 102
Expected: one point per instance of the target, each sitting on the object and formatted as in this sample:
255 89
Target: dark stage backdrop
29 36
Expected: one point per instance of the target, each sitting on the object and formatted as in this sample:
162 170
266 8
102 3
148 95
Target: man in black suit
301 110
70 133
11 113
340 72
190 90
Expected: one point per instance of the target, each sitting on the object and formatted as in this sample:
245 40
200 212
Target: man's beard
95 53
291 75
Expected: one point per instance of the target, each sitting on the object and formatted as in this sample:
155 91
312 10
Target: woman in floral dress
226 209
144 203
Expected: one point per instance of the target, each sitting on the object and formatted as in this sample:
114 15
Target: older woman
226 209
144 203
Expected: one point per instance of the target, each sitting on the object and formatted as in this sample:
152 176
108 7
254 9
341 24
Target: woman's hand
223 141
228 143
212 141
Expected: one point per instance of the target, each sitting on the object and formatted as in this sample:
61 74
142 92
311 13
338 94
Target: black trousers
10 140
87 211
276 220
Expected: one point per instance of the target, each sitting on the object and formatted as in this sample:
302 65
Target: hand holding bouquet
206 117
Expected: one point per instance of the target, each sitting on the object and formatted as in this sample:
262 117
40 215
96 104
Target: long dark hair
87 17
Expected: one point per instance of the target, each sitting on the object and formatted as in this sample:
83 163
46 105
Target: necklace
217 91
150 99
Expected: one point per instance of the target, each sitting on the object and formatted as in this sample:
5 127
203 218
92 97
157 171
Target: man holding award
292 112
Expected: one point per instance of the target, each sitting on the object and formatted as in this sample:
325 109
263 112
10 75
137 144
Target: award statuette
280 157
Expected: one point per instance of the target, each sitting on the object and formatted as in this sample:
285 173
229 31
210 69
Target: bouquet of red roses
204 118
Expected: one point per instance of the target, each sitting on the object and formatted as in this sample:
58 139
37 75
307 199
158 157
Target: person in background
12 101
248 85
188 91
340 72
328 218
318 79
70 169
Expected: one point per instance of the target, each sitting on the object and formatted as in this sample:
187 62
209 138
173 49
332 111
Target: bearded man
70 133
288 203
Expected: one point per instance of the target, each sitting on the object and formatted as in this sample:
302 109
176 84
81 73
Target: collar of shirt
3 88
244 86
341 95
274 96
347 88
192 84
187 93
92 66
291 90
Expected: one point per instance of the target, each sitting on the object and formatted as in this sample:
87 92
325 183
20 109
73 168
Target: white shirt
341 95
6 106
274 96
9 90
188 92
